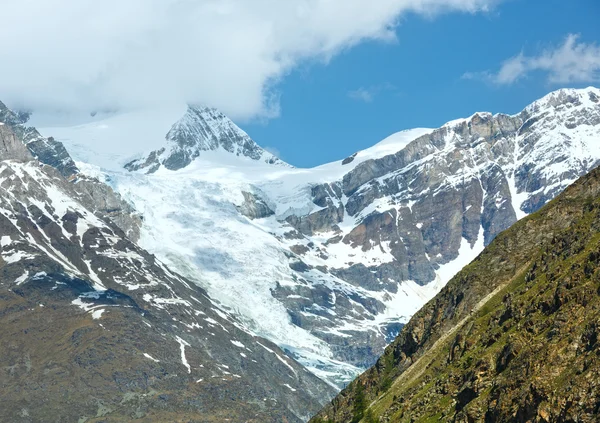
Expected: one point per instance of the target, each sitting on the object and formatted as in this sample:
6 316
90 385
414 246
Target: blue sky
393 64
330 110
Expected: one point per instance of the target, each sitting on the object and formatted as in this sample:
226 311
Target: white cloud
274 151
570 62
362 94
90 54
368 94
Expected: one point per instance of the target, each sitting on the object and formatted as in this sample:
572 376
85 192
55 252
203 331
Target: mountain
46 150
514 337
201 129
330 262
95 328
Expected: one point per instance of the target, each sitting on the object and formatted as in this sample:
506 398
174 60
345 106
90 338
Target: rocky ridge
408 216
97 196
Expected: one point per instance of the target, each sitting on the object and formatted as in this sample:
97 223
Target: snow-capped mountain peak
565 97
201 129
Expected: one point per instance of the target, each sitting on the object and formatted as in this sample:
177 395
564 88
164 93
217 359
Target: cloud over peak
116 54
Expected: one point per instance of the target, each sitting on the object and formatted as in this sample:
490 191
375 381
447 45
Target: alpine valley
326 263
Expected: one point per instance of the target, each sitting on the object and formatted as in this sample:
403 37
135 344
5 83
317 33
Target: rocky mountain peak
201 129
566 98
10 117
23 137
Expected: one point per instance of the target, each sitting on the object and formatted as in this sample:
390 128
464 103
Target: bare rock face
103 200
464 164
253 207
51 152
11 147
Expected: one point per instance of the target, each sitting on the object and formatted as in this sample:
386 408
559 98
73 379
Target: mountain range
174 270
350 250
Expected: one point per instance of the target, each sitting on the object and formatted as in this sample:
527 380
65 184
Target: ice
5 241
289 387
238 344
16 256
21 279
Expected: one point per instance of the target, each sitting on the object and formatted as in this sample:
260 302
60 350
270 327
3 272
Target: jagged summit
201 129
566 97
9 117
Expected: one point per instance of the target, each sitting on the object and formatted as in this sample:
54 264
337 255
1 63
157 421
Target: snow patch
148 356
182 345
96 314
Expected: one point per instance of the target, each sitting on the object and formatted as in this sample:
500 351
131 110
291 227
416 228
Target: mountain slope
513 337
330 262
95 328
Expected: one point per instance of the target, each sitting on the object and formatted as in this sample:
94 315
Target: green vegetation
360 403
513 337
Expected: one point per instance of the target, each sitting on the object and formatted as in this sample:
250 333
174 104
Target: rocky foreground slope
94 328
514 337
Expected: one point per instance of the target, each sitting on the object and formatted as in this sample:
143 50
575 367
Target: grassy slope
511 338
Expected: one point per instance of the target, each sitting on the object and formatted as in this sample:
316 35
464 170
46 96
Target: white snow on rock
238 344
182 345
148 356
96 314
